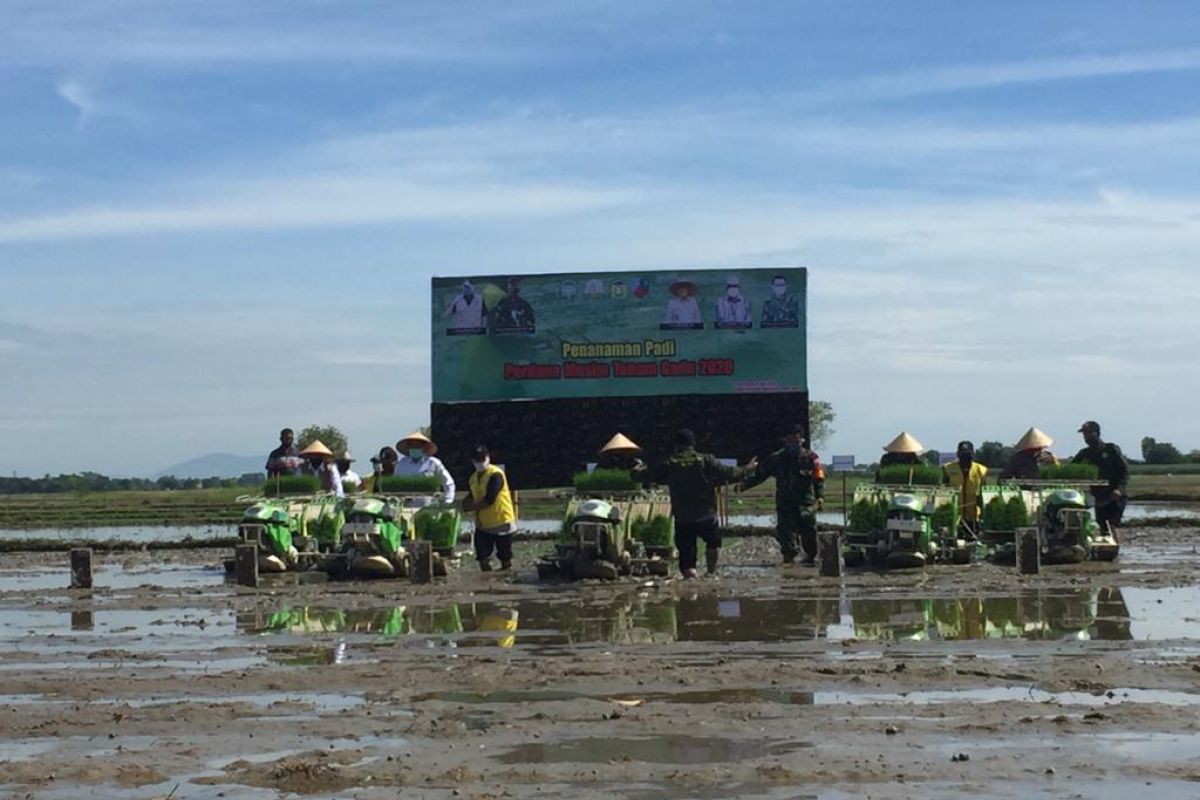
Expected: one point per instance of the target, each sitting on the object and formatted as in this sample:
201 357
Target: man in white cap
733 311
466 310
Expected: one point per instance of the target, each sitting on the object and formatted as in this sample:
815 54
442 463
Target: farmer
350 478
904 449
682 309
799 494
692 479
495 514
285 459
967 475
417 458
324 466
620 452
1107 457
1031 454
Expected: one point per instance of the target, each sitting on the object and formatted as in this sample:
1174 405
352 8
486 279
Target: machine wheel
960 555
547 570
439 566
1107 552
854 558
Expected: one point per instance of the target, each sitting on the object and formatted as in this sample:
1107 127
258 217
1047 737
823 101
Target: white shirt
428 465
351 477
329 474
466 314
683 310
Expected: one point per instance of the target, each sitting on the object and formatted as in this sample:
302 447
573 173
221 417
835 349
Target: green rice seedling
899 474
407 484
1018 514
943 517
995 515
1069 472
657 531
292 484
868 515
605 480
438 527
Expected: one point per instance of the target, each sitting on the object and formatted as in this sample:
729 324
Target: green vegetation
1068 471
945 517
292 484
605 480
408 484
869 515
328 435
657 531
438 527
921 475
1001 514
566 533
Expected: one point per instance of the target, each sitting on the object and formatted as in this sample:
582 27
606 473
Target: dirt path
1081 681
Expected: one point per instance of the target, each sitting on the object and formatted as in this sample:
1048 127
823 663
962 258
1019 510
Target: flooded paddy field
768 682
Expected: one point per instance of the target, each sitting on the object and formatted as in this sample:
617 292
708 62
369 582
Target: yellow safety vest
970 489
499 513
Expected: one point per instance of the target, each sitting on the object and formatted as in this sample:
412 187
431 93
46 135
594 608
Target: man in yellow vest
966 474
495 515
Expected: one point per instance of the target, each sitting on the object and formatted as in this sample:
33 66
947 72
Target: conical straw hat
317 450
904 443
1034 438
620 444
421 439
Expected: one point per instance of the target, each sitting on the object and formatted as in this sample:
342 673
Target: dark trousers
796 524
1109 509
687 535
486 543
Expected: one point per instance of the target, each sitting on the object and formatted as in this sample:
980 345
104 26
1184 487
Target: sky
219 218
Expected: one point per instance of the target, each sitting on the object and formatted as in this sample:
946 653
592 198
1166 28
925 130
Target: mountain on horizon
214 465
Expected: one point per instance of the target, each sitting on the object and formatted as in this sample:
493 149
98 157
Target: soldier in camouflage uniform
781 310
692 478
799 494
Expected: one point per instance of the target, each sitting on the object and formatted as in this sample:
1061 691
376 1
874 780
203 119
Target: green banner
619 334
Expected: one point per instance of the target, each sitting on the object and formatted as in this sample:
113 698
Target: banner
619 334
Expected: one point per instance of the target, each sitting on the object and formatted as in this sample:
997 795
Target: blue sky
218 218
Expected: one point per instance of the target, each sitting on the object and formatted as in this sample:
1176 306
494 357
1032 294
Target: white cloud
79 96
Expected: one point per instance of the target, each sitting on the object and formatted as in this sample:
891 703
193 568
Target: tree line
95 482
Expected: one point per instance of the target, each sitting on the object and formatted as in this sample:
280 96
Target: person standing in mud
495 513
692 479
967 475
799 494
1108 459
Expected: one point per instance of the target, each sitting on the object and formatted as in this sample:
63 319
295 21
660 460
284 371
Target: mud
767 682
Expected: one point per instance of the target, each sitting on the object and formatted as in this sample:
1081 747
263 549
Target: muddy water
768 682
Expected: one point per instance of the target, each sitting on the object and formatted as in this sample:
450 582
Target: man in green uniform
1107 457
692 478
799 493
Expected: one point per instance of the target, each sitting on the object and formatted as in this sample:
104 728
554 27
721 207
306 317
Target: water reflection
1083 614
633 619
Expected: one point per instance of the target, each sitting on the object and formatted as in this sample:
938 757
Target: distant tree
250 479
994 454
1193 457
820 422
1156 452
932 457
330 436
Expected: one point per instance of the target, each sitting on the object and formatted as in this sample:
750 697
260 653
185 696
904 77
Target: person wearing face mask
417 458
799 494
1114 470
967 475
733 310
466 311
781 310
495 514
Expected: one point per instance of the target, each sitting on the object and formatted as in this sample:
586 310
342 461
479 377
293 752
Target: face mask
416 453
480 466
467 293
731 293
779 291
793 447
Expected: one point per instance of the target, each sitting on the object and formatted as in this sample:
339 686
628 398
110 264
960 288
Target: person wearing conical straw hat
417 458
904 449
1030 455
683 310
620 452
325 466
